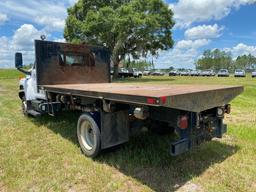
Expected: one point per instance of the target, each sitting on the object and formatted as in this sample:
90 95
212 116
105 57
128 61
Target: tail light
152 101
183 122
163 100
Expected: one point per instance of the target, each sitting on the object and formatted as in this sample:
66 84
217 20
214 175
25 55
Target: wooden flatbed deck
184 97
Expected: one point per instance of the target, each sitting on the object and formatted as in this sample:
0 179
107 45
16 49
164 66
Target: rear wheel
88 134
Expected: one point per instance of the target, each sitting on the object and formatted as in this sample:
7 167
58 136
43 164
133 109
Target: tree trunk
116 57
116 63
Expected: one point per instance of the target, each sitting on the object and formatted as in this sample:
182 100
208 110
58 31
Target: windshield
223 71
239 70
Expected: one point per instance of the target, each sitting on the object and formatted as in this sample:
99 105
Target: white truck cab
28 85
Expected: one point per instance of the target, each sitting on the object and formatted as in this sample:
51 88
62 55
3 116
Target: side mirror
18 60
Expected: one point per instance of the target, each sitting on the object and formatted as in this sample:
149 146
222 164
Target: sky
229 25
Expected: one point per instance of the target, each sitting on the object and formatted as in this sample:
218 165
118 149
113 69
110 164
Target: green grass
10 74
42 154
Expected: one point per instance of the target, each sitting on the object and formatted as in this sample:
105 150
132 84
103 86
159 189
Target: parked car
158 73
133 72
123 72
184 73
239 73
212 73
194 73
204 73
174 73
137 73
223 73
253 74
208 73
146 73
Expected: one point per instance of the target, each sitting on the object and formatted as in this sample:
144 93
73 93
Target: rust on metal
84 70
184 97
61 63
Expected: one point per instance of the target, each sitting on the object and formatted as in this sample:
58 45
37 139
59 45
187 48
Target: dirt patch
2 89
122 184
2 185
190 187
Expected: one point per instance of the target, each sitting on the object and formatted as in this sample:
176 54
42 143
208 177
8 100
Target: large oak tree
126 27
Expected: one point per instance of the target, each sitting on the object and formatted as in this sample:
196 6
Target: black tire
88 134
160 128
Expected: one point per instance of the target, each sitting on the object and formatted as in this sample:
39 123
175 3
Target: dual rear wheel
88 134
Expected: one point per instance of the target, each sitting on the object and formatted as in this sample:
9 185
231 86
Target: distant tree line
139 64
217 59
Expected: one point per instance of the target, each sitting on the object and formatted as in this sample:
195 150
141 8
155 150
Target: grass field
43 154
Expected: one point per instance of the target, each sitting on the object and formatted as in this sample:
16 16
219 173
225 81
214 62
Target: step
34 113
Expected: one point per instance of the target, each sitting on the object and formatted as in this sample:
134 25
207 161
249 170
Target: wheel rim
24 107
87 135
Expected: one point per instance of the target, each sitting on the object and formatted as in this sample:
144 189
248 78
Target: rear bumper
186 144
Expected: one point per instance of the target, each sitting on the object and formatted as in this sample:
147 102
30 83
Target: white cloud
61 40
241 49
177 58
22 41
187 12
192 44
204 32
51 23
50 14
24 37
3 18
183 55
5 55
72 2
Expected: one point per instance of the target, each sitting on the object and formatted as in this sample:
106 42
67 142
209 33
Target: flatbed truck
77 77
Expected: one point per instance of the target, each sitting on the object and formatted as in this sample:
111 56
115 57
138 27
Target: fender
21 94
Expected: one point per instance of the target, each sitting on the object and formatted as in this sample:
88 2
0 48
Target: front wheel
88 134
24 108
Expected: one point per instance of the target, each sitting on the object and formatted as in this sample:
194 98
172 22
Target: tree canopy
214 59
126 27
245 62
217 59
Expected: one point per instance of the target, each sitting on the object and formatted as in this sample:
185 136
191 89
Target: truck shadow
146 157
